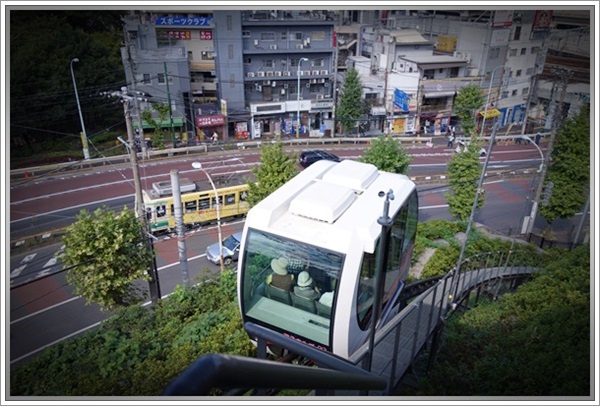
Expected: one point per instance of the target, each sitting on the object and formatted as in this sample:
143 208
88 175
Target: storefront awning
177 122
491 113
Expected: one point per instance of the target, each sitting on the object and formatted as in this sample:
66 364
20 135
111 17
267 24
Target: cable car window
399 252
270 260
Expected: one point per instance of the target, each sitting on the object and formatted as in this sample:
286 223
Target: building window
514 93
517 33
523 51
230 51
232 81
245 34
318 35
494 53
269 63
229 23
161 78
535 50
146 79
267 36
529 71
283 35
247 60
453 72
512 52
518 73
207 56
318 63
297 36
525 91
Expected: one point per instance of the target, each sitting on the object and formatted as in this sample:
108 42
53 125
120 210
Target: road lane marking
55 342
46 309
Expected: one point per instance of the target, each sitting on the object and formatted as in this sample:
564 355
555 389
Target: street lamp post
198 165
298 105
86 152
488 99
528 220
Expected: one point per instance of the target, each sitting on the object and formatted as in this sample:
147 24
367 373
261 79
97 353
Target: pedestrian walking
538 136
451 136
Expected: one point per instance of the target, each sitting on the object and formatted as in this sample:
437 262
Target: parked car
231 250
308 158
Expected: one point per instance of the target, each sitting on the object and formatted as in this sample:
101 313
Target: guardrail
23 173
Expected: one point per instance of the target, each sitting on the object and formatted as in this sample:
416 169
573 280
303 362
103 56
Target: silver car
231 250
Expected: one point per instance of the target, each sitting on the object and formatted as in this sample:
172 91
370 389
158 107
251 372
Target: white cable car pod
324 222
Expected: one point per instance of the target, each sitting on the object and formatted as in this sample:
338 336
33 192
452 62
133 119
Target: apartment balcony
203 66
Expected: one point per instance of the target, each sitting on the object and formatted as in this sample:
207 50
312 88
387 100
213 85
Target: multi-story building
237 73
273 65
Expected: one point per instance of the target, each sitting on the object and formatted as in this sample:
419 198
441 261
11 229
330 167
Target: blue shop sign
184 21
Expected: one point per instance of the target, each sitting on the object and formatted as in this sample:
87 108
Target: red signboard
206 35
180 34
210 121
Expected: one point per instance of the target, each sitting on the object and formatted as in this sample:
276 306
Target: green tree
464 172
275 169
350 107
466 104
104 255
569 168
387 155
162 109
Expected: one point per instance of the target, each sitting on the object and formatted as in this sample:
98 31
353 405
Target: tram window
243 196
230 199
323 266
161 211
204 203
191 206
213 201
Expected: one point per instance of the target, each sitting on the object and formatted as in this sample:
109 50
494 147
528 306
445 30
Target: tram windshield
290 286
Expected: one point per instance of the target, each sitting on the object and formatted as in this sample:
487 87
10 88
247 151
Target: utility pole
135 100
177 208
154 283
529 96
170 108
564 76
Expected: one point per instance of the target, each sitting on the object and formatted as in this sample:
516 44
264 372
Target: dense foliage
276 168
139 351
43 108
534 342
104 254
351 105
446 255
387 154
569 168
